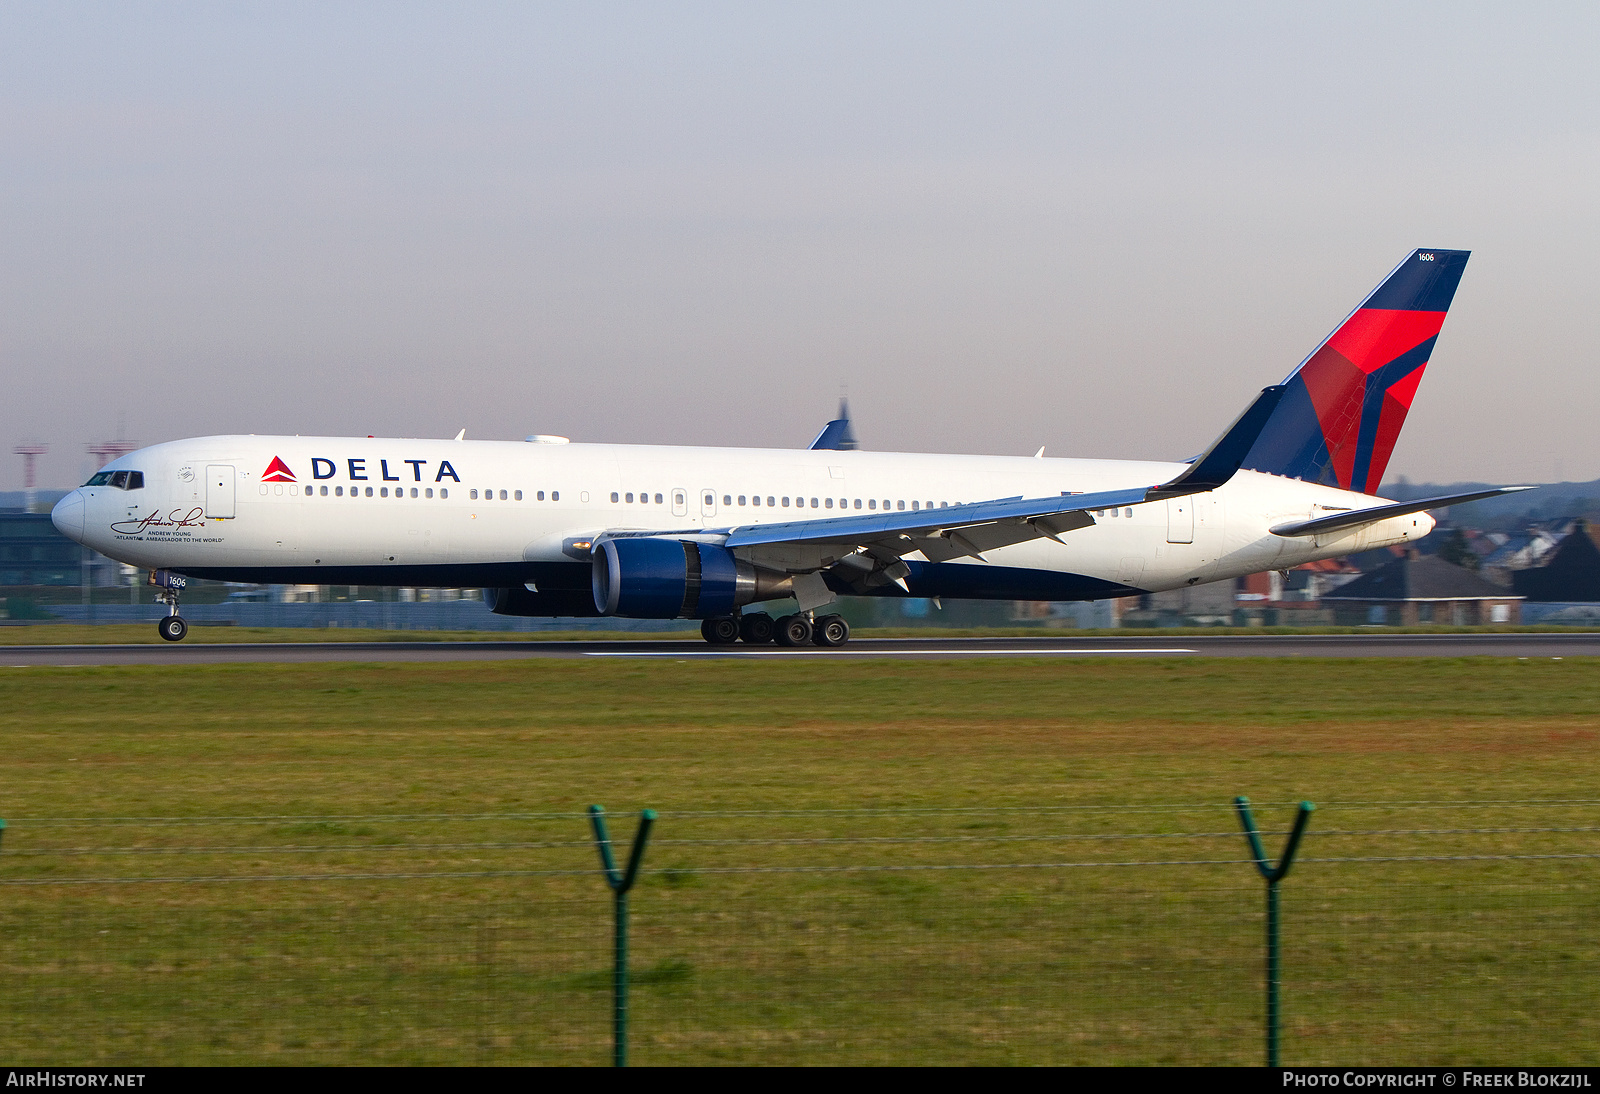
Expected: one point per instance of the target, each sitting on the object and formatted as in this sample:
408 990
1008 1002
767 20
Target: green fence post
2 828
1273 874
620 881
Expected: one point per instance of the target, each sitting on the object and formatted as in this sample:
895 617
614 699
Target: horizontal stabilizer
1356 517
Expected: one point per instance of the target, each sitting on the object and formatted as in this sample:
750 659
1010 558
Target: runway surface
1178 645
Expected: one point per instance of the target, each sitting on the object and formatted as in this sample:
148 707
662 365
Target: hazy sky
1100 228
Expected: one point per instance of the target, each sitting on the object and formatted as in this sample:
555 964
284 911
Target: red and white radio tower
29 451
106 451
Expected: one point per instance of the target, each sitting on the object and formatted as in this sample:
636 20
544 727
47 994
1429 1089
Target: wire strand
834 869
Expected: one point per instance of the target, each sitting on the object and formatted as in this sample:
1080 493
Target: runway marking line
871 653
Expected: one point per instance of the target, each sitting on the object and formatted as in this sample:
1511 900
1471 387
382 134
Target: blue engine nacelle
655 577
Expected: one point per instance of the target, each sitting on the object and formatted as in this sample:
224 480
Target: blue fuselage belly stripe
970 581
973 581
478 575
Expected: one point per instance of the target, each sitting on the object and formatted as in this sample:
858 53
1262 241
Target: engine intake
654 577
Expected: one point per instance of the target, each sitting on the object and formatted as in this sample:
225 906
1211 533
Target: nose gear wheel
169 586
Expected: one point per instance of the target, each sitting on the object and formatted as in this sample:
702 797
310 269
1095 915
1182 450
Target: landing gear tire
756 628
169 587
721 631
831 630
794 630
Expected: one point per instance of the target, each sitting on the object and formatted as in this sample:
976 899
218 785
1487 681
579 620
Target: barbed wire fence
1420 932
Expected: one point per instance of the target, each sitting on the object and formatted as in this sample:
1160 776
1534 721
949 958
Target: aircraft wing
1357 517
878 540
1051 516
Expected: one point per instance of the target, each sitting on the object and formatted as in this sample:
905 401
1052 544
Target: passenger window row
427 492
774 501
383 491
829 503
514 495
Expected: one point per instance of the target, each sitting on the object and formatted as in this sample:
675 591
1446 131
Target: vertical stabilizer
1341 414
837 434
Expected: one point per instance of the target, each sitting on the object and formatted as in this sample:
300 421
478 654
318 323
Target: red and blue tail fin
1339 419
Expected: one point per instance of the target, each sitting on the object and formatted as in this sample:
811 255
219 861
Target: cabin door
220 481
1180 520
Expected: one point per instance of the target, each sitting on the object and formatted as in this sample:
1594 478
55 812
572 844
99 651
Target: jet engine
655 577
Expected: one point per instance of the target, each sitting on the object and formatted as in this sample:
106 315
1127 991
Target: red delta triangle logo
278 471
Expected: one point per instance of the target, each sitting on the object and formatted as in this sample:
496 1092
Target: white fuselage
209 504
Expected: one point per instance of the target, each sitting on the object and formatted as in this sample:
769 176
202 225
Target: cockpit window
122 480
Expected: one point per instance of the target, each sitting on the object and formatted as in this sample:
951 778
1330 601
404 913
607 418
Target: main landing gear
757 628
169 585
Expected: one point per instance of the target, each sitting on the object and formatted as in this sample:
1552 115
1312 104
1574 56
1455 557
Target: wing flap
891 526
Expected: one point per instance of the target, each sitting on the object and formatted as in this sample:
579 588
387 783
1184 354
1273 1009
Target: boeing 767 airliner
551 528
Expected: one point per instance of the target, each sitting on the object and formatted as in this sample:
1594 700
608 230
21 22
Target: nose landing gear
169 586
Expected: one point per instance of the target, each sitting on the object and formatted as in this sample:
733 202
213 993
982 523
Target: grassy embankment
953 764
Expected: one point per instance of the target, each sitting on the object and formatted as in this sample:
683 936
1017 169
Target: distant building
1517 550
1276 598
1566 589
1572 573
1417 588
32 552
1208 605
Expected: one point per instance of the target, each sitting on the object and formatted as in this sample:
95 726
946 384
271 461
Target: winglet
1218 463
837 434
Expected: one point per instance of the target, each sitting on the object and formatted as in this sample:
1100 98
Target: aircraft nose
67 516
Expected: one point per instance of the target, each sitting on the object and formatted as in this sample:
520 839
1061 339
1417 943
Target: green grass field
814 893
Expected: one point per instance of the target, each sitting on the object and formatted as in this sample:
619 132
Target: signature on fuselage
156 524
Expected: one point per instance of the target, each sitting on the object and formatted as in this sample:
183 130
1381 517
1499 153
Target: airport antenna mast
30 451
106 451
